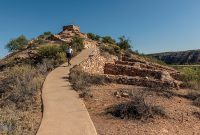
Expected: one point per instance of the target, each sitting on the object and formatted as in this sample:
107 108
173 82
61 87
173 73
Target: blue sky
152 25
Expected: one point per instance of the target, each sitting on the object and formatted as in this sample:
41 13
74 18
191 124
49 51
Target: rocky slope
182 57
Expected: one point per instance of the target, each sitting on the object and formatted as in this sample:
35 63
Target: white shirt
69 50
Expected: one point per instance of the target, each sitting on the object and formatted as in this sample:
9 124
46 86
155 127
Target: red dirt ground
180 121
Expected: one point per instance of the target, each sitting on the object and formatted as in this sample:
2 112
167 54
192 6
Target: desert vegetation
82 81
20 93
20 100
17 44
115 48
22 79
190 76
136 108
94 36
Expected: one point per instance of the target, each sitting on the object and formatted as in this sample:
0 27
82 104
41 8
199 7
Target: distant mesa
181 57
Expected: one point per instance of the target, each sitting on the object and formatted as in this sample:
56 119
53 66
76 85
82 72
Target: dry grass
81 81
20 101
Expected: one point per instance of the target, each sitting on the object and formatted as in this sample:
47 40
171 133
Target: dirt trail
64 112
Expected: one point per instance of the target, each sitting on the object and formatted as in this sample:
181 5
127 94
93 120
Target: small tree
93 36
17 43
97 38
108 39
45 35
124 43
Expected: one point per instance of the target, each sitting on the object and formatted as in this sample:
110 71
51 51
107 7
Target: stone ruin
71 28
132 71
67 34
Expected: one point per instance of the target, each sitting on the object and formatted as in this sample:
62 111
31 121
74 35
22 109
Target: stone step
140 81
142 65
129 60
118 69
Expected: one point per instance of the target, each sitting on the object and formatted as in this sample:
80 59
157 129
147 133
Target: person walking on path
69 52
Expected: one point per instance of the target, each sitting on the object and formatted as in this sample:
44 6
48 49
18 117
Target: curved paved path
64 112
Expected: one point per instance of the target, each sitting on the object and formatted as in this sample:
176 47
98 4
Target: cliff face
183 57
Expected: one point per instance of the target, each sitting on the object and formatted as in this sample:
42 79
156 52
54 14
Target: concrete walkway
64 112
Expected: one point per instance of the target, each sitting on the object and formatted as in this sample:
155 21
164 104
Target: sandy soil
180 121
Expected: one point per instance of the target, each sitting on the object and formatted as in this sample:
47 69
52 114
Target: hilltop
120 88
180 58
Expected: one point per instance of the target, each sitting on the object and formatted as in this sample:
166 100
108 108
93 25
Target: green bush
49 51
93 36
45 35
111 49
17 43
82 80
61 57
190 77
108 39
137 108
64 47
124 43
77 44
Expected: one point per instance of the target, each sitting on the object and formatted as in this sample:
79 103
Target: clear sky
152 25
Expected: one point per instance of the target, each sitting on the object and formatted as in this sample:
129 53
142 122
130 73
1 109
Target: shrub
17 44
61 57
24 82
48 51
39 41
82 80
93 36
77 44
108 39
97 38
190 77
22 90
124 43
47 65
197 102
196 114
45 35
137 108
64 47
195 97
111 49
85 94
